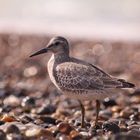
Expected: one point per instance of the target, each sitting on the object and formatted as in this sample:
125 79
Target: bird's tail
125 84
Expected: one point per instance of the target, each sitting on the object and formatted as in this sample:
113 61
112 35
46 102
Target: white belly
91 95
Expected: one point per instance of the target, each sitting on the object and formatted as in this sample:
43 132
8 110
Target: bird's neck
61 57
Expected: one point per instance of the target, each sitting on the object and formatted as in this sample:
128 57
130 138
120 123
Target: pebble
135 126
111 126
109 102
124 136
85 135
15 137
46 109
2 135
37 132
75 135
126 113
64 128
26 119
5 108
2 93
48 120
135 116
1 122
135 99
105 114
7 118
28 103
12 129
134 132
136 92
116 109
63 137
12 101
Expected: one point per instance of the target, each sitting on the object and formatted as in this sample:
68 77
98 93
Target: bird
78 79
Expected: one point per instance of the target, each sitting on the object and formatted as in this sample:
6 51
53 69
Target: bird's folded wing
76 76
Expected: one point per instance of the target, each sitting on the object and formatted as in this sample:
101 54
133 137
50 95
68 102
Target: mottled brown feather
79 75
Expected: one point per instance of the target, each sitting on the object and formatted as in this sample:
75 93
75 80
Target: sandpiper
79 79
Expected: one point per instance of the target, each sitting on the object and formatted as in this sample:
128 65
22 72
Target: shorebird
78 79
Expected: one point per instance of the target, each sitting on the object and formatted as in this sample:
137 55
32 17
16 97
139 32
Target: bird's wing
77 76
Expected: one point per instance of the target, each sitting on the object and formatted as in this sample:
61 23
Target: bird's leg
82 112
97 111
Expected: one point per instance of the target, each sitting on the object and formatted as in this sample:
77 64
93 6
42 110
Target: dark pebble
124 136
5 108
109 102
12 129
46 109
111 126
134 117
2 122
134 132
2 135
48 120
64 128
28 103
136 92
26 119
2 93
77 123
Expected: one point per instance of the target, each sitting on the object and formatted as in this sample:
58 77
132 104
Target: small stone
2 93
135 126
135 99
12 101
75 135
111 126
37 132
7 118
105 114
109 102
2 122
135 116
77 123
64 128
46 109
5 108
134 132
2 135
126 113
123 136
84 134
13 136
33 132
63 137
28 103
136 92
48 120
26 119
31 71
116 108
12 129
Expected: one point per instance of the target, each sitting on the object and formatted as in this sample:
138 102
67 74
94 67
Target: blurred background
118 20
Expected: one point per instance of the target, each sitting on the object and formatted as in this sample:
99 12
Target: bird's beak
39 52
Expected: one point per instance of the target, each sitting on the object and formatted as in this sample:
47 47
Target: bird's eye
56 43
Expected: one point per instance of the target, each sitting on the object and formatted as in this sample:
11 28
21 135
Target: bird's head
57 45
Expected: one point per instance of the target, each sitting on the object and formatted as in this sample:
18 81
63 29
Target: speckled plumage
78 79
81 80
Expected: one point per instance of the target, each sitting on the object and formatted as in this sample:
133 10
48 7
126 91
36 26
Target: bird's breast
51 67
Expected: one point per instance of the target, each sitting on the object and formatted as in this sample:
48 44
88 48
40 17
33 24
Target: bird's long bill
39 52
